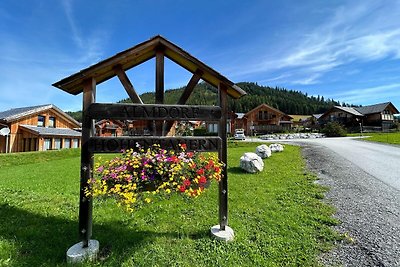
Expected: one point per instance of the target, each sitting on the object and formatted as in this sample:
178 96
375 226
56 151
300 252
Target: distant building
302 121
109 128
378 115
38 128
264 119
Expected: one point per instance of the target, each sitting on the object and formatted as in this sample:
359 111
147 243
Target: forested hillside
288 101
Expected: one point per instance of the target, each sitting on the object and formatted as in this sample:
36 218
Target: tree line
288 101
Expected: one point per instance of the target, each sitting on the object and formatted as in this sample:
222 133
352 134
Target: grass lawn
277 216
389 138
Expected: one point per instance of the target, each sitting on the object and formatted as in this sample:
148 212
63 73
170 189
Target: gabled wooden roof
140 53
16 114
377 108
267 107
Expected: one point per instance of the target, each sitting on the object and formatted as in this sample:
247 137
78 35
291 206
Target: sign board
153 112
117 144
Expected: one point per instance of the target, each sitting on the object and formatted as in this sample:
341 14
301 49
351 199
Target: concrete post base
226 235
77 253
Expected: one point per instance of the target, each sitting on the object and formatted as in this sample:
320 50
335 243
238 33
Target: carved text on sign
117 144
154 112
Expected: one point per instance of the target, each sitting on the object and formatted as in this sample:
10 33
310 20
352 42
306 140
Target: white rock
263 151
251 162
276 148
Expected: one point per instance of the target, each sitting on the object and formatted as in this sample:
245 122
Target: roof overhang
140 53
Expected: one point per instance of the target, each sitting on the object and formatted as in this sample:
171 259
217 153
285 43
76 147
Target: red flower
183 146
200 172
174 159
203 180
186 182
190 154
217 169
182 188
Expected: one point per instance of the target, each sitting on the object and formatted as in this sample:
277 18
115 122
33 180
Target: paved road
379 160
363 180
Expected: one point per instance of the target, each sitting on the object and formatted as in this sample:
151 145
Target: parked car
239 134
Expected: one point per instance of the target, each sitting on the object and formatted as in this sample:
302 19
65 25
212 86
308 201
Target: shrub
333 129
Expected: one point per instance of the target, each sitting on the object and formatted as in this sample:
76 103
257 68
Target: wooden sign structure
161 114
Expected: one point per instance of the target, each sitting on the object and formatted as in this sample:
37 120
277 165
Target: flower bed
139 177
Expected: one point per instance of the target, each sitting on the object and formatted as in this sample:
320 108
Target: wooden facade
160 116
379 115
263 119
38 128
110 128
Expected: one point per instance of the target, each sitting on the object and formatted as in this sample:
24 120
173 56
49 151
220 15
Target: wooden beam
159 97
116 144
127 84
123 111
85 203
190 87
159 76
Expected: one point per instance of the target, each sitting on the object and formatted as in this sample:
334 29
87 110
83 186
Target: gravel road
366 197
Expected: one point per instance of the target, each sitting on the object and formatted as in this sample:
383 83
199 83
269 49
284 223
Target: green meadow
278 217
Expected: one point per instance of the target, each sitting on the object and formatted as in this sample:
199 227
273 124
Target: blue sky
345 50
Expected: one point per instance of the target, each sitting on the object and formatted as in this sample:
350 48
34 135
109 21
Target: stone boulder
263 151
251 162
276 148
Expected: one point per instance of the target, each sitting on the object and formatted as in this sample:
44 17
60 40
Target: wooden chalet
264 119
38 128
378 115
161 117
108 127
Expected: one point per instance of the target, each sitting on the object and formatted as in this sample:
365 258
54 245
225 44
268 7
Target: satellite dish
5 131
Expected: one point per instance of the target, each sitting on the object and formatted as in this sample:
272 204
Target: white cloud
357 32
369 95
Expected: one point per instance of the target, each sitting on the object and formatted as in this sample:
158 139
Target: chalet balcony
387 117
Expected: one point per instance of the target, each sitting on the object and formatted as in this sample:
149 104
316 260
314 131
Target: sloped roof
240 115
46 131
349 110
140 53
377 108
18 113
266 106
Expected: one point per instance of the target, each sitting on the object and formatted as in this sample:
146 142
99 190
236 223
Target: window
40 122
260 115
47 144
57 143
67 143
75 143
52 122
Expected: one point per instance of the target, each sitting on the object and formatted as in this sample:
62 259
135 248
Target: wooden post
223 156
159 97
85 203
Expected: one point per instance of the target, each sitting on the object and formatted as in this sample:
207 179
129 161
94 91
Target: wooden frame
159 115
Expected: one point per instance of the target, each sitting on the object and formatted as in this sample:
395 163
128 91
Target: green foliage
288 101
77 115
389 138
277 216
334 129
